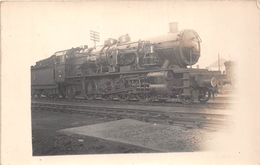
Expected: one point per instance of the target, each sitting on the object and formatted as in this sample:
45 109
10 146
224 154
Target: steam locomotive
158 68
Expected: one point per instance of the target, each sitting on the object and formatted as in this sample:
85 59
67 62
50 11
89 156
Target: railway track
194 117
172 103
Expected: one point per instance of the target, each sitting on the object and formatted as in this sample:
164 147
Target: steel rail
211 105
185 119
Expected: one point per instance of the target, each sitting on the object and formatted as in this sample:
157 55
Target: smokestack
173 27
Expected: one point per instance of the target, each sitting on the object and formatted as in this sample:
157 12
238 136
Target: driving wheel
204 95
89 89
188 99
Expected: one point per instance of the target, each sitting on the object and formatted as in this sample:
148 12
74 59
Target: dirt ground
46 140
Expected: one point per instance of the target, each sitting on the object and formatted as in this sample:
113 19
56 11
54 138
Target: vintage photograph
133 77
135 85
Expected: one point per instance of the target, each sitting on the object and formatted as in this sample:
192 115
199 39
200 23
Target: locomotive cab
60 66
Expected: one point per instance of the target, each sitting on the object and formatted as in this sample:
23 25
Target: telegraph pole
94 36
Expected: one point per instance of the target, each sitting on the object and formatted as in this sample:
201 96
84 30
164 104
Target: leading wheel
204 95
188 99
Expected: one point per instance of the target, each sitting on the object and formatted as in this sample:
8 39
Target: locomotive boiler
149 69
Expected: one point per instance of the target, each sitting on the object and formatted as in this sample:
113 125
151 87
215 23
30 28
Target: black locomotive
152 69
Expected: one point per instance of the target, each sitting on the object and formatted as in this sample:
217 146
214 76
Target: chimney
173 27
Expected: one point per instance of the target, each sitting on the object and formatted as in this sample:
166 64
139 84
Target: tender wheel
55 95
188 99
34 93
62 90
71 92
47 95
204 95
89 90
39 94
63 96
144 97
123 96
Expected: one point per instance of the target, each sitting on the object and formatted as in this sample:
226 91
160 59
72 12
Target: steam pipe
165 64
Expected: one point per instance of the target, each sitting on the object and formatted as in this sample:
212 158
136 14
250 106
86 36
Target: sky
49 27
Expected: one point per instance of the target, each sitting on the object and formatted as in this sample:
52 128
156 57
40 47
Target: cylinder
160 77
209 81
173 27
161 89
